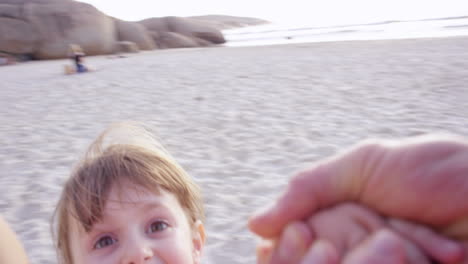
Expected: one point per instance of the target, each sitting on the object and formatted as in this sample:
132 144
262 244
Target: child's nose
137 254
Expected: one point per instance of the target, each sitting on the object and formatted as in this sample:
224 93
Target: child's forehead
127 194
125 202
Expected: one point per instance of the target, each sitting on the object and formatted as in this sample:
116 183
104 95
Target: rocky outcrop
60 24
167 33
126 47
17 36
20 2
169 40
198 31
134 32
45 28
11 11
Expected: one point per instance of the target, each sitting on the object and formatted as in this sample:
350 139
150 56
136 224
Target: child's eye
104 242
157 226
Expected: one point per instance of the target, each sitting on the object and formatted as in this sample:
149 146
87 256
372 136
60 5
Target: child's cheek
101 258
176 249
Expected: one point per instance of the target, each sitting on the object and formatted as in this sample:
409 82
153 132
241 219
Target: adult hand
422 179
384 247
303 243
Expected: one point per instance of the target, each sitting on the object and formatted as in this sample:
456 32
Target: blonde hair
112 160
74 49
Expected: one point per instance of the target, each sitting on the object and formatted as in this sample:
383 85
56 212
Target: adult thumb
327 183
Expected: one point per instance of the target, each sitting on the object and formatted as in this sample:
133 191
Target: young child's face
139 227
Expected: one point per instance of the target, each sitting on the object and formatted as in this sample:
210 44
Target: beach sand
240 120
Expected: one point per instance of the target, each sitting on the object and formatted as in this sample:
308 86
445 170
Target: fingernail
290 243
260 213
320 252
385 243
264 250
260 222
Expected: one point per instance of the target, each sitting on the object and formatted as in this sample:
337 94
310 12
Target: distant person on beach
75 52
422 179
78 58
129 202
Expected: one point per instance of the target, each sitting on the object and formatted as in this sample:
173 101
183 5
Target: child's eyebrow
143 206
106 219
112 223
152 205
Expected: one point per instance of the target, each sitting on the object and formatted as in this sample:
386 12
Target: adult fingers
292 245
384 248
344 226
331 181
414 255
321 252
327 183
301 199
433 244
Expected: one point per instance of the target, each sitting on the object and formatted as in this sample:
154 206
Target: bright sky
310 12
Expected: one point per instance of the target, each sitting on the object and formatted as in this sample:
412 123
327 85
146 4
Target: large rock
20 2
194 28
156 24
203 42
11 11
62 23
44 29
169 40
126 47
17 36
134 32
190 28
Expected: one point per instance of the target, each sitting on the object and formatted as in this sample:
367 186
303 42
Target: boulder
156 24
190 28
21 2
126 47
134 32
169 40
194 28
203 42
11 11
155 36
17 36
61 23
44 29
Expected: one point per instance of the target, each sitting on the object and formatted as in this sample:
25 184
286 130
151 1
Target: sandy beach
241 120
